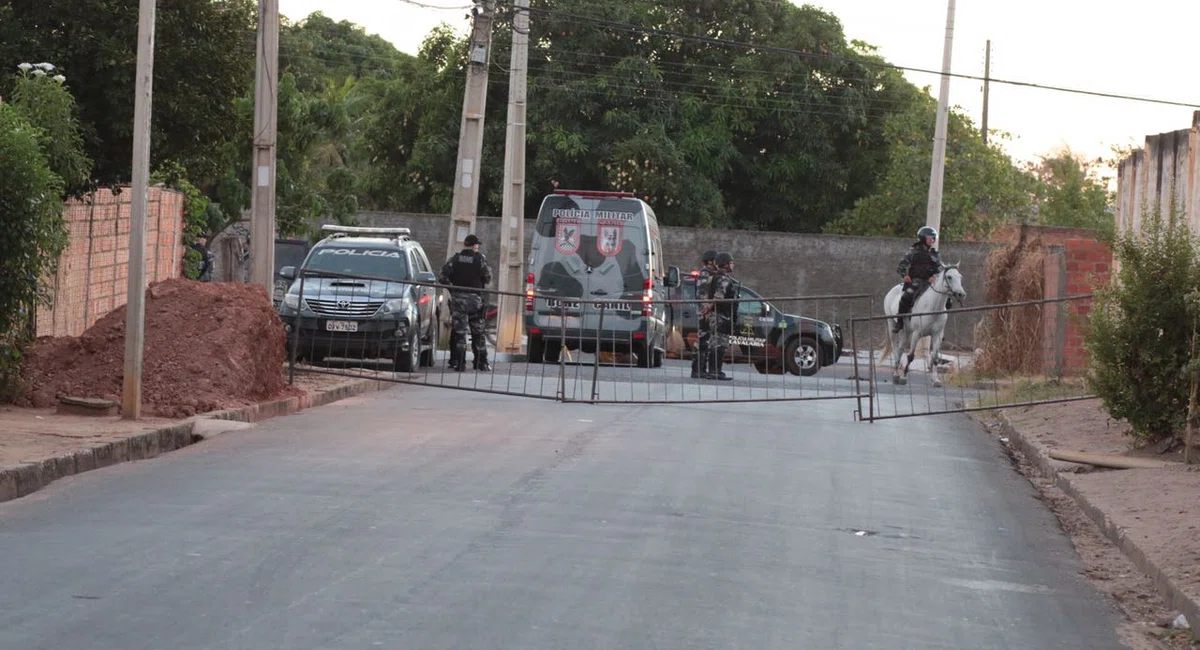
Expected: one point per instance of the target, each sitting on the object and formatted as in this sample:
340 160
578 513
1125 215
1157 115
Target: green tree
1071 193
710 134
32 233
982 188
203 61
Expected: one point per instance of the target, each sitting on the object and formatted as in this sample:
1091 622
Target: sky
1140 49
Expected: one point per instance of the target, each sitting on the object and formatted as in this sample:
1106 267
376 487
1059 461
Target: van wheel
802 356
536 350
645 355
658 356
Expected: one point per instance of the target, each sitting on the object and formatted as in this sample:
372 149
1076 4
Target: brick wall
92 272
1076 266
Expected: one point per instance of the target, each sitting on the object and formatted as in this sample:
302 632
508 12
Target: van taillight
647 296
529 292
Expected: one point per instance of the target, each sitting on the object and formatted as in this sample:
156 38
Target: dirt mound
1011 339
208 346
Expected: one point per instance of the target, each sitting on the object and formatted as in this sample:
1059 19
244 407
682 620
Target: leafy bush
1138 344
42 161
32 235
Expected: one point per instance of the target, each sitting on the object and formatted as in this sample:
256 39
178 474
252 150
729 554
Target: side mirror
672 276
765 310
288 273
427 276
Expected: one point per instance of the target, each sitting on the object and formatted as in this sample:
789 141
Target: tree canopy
802 130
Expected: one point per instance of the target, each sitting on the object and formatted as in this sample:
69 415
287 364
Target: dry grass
1011 339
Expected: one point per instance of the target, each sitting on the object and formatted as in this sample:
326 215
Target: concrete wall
1165 172
773 264
93 270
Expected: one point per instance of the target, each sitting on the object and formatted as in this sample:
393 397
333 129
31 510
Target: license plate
555 320
341 326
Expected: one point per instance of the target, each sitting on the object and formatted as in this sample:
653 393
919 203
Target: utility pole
135 305
987 78
266 102
470 134
933 214
512 229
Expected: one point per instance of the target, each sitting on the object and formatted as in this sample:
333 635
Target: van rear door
593 247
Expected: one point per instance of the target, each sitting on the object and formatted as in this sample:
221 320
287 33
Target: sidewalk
38 446
1152 515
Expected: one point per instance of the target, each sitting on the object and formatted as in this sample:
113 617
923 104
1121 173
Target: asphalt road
414 519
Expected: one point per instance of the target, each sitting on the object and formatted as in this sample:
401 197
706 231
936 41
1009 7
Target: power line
653 31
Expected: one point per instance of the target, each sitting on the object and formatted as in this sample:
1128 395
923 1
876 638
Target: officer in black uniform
467 269
920 264
722 286
703 315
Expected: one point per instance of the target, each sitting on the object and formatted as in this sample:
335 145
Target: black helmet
926 231
709 255
471 240
723 259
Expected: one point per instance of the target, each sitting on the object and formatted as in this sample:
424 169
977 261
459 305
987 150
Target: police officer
467 269
920 264
703 315
722 286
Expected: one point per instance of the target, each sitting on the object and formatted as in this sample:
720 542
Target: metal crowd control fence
992 357
640 350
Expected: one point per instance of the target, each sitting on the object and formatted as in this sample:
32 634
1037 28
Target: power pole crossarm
470 137
512 229
262 176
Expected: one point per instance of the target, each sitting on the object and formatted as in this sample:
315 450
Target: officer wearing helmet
722 287
918 266
703 315
468 269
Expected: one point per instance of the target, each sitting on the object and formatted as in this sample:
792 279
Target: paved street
427 518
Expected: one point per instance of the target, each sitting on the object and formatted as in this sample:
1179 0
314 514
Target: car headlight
396 306
291 301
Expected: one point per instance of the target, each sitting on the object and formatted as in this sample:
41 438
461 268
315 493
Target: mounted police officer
468 269
703 315
920 264
722 286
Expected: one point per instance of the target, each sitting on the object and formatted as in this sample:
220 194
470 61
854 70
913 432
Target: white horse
927 318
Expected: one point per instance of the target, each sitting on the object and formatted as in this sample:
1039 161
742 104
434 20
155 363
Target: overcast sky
1146 49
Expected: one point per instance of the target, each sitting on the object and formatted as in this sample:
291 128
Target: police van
595 278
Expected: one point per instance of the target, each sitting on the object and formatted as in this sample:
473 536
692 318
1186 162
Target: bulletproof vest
923 264
467 271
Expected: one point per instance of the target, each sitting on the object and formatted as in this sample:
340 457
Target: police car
359 302
763 335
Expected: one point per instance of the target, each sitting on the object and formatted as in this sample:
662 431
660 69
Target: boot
899 325
717 370
481 361
458 359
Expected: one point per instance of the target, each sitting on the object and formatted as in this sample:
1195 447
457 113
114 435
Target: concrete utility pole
135 306
470 135
933 214
266 103
512 229
987 78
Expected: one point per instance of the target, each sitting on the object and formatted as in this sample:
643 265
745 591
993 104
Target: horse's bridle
948 294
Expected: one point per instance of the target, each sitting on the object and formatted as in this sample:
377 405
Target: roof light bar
597 194
362 230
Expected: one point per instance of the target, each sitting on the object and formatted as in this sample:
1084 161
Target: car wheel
406 361
802 356
428 352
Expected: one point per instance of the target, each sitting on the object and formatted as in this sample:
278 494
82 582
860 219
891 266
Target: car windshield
387 263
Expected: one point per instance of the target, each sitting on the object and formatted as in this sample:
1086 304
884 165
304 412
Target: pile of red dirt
208 346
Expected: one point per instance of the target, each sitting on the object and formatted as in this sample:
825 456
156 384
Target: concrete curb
1175 597
23 480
